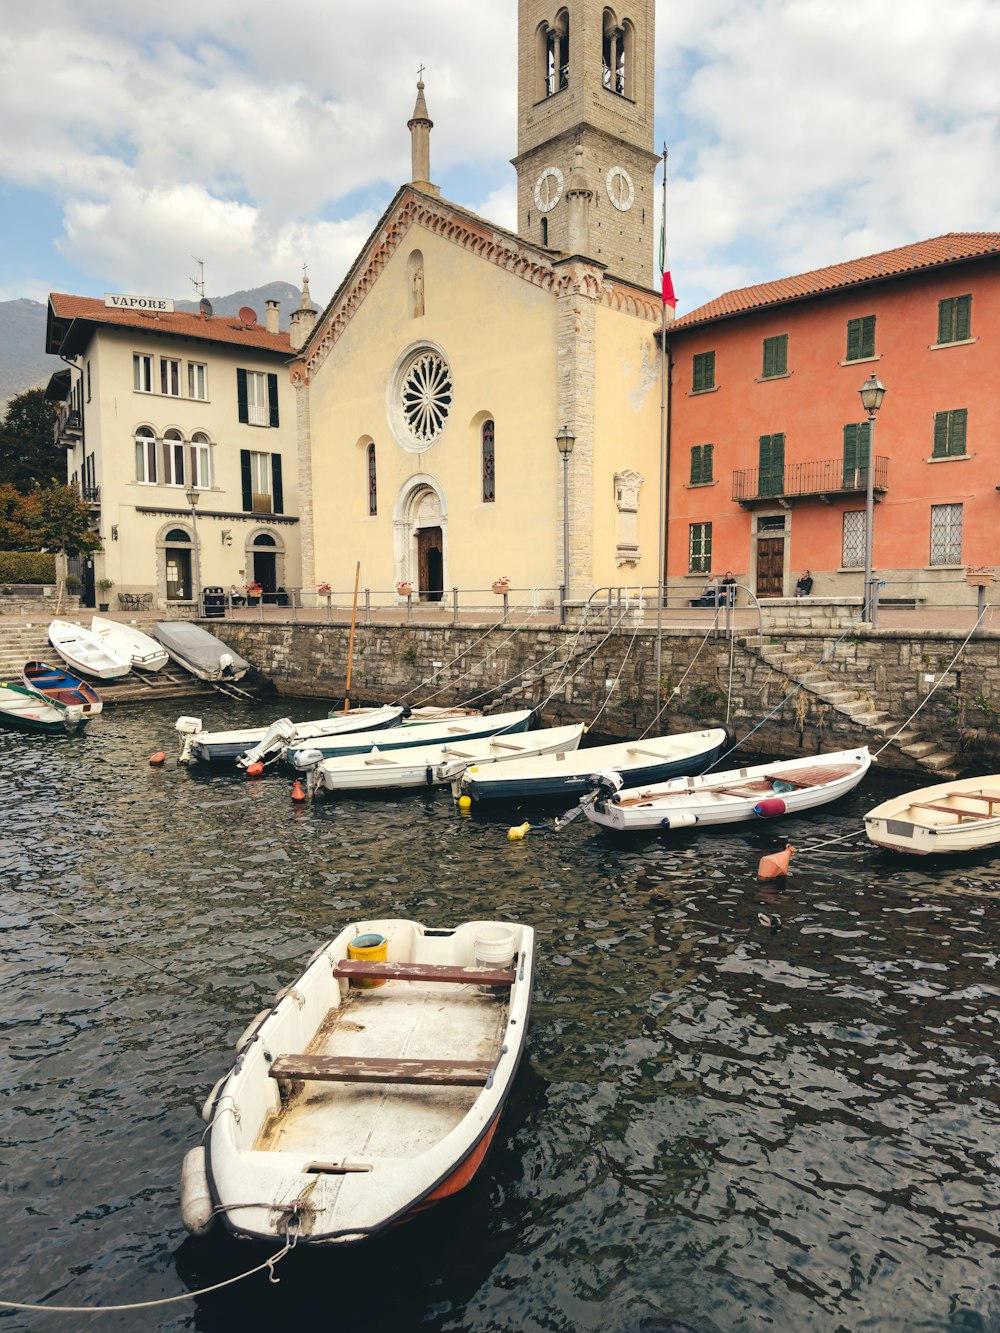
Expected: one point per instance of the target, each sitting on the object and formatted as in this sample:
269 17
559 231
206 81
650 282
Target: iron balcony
825 480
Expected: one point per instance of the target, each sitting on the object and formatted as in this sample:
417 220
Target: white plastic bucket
495 946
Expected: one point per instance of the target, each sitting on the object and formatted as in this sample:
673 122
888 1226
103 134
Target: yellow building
432 388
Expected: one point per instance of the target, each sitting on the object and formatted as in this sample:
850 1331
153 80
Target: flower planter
500 586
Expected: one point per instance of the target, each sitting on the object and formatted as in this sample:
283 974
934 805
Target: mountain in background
24 364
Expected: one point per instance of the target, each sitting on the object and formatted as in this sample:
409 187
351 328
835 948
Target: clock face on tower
548 189
621 191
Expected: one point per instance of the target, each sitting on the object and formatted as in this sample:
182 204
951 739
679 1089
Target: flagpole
661 531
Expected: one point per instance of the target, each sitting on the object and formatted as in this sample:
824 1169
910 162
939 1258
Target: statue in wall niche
418 291
627 487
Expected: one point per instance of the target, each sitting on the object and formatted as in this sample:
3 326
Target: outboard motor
308 760
278 735
225 665
186 727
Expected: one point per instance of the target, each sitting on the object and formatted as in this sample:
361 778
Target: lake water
719 1124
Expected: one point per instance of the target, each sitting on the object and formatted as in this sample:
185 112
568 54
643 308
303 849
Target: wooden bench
952 810
347 1069
357 969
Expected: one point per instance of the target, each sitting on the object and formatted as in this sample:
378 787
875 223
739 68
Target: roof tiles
951 248
184 323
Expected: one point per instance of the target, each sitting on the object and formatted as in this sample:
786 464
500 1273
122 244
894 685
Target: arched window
372 481
613 64
553 55
173 458
545 231
145 456
489 464
201 461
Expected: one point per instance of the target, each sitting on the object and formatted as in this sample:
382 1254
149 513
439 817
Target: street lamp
872 392
193 496
565 439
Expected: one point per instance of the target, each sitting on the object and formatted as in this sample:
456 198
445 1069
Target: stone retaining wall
611 681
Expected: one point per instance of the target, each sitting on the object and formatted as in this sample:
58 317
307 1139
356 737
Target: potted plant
73 584
502 584
104 586
323 589
254 591
405 588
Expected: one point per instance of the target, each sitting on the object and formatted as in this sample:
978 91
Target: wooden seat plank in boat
952 810
358 969
347 1069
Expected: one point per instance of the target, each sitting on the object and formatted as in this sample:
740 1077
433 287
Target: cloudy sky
258 135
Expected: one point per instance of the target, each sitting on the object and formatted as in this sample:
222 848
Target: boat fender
429 775
298 795
517 833
157 759
465 803
197 1211
770 807
684 819
255 769
208 1106
249 1032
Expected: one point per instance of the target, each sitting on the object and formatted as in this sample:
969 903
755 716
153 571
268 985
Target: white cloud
802 132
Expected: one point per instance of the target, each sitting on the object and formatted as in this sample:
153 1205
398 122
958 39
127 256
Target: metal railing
826 476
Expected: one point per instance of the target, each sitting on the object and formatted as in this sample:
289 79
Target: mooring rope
268 1265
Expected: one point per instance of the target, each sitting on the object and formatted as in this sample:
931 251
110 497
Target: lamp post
565 439
872 392
192 496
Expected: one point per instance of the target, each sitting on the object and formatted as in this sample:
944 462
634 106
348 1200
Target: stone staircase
533 687
857 703
22 643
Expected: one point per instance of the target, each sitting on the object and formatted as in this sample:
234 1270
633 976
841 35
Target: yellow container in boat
372 948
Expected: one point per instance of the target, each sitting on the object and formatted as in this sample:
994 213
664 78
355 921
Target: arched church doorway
430 561
420 537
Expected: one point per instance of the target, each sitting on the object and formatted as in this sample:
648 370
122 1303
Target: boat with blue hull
61 688
570 775
251 744
24 709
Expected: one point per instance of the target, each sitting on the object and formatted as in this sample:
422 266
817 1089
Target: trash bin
281 597
213 603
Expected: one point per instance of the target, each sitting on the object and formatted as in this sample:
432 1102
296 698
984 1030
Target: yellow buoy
515 834
464 802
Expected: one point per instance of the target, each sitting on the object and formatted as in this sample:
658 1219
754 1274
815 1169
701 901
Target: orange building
768 439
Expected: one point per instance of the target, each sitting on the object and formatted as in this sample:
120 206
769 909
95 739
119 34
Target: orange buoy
158 758
773 867
254 770
297 793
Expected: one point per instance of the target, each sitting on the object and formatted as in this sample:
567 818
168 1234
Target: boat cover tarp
197 648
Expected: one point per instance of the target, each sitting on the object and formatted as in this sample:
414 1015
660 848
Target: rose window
425 396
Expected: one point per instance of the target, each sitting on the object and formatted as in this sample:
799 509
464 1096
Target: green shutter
695 464
241 396
868 335
940 449
775 356
771 465
963 317
277 494
959 430
946 320
245 479
860 338
272 398
703 372
707 451
853 340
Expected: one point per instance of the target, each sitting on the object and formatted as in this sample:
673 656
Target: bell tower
585 77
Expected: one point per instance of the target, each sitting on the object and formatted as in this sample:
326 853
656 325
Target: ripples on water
719 1125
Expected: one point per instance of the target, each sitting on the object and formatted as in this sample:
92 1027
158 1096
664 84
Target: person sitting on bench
805 584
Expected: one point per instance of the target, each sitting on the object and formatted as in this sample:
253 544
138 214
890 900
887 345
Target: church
476 405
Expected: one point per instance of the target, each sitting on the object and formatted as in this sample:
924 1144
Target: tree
59 520
29 455
14 534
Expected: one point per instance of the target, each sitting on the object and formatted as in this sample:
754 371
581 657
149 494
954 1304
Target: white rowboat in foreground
765 791
353 1106
959 816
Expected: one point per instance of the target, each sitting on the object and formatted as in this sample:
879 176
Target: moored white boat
764 791
430 733
248 744
353 1106
958 816
566 776
85 652
428 765
139 650
199 652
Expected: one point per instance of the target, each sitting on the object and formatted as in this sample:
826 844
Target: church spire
420 126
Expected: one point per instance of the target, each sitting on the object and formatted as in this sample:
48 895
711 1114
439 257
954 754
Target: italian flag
668 287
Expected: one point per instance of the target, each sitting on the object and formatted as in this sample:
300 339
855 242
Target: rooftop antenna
204 304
